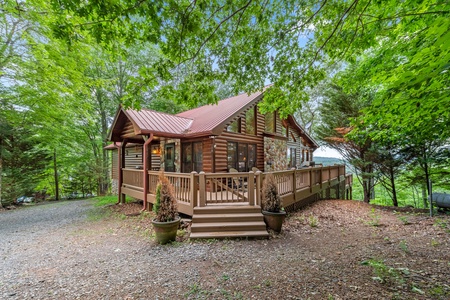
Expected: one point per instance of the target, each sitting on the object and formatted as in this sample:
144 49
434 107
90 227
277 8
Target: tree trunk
394 192
424 197
366 190
55 171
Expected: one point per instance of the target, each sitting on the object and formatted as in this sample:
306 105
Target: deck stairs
234 221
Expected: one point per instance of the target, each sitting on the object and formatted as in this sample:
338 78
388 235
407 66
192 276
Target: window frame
237 161
193 163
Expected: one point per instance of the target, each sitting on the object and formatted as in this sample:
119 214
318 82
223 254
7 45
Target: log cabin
232 134
216 156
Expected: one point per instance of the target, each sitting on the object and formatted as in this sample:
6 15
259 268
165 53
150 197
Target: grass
384 273
109 200
374 218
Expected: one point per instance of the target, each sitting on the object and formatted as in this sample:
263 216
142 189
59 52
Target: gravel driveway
72 250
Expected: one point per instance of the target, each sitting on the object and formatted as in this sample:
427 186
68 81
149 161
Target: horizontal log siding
278 124
131 161
114 166
295 140
222 140
133 157
128 130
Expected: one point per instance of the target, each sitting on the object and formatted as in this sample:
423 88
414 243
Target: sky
323 151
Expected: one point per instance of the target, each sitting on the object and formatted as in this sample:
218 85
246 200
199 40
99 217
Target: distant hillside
328 161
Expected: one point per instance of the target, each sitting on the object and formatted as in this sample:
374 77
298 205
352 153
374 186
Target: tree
337 112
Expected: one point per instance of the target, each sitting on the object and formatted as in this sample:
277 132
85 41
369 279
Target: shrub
271 200
167 210
158 199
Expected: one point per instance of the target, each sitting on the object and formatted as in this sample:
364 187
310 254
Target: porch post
202 188
194 190
251 188
121 164
258 175
145 171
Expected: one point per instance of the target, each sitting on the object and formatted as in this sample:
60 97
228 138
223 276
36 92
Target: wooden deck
229 200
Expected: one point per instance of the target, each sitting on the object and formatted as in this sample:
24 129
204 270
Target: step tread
227 215
225 224
226 209
229 234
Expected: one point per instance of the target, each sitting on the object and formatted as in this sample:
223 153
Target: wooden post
310 180
294 184
202 186
194 189
145 171
258 175
251 188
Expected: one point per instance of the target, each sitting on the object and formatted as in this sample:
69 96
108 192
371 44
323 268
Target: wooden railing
133 178
202 189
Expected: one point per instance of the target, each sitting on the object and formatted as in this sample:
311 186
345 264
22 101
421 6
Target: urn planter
274 220
166 231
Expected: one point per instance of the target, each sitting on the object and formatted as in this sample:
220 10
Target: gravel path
74 251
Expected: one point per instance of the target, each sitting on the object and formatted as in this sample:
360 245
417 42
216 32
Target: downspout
145 172
119 171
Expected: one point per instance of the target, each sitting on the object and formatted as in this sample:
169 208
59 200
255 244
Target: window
284 131
292 157
192 157
241 156
250 121
198 157
232 155
235 126
269 120
251 156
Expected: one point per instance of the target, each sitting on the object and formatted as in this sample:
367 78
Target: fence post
258 187
194 189
310 180
251 188
202 185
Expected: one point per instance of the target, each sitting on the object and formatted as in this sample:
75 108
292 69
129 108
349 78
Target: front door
169 158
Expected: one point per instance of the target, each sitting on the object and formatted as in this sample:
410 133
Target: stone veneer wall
114 186
275 155
177 153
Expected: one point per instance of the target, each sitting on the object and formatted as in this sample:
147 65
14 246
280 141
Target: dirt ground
352 250
334 249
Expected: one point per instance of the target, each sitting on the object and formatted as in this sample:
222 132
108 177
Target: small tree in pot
271 204
167 220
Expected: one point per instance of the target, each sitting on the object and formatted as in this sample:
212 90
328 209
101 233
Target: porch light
156 151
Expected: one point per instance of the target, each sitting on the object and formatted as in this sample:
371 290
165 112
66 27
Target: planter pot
166 231
274 220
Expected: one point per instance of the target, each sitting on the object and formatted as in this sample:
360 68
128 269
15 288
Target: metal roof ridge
163 113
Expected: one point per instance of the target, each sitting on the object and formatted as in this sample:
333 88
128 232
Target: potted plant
271 204
167 220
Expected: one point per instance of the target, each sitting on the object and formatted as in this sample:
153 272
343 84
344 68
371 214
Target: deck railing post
294 183
251 188
194 189
310 180
258 175
202 187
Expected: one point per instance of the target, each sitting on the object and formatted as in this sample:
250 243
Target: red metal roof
149 121
207 118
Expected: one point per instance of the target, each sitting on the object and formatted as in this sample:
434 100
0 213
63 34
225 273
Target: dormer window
235 126
269 120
